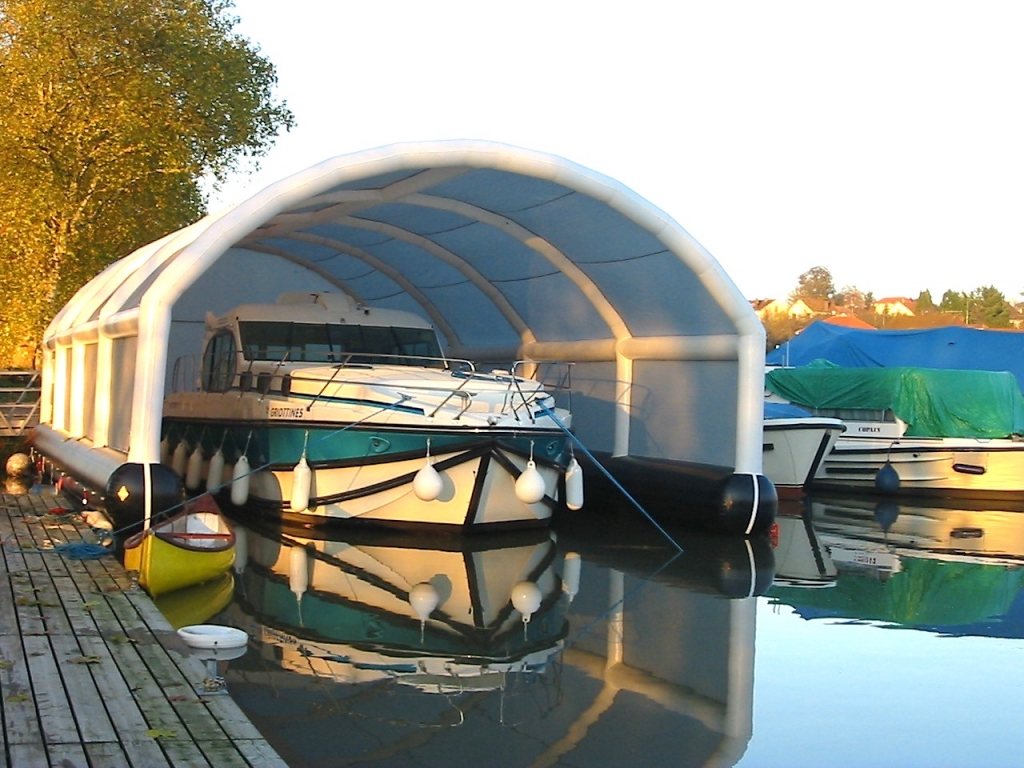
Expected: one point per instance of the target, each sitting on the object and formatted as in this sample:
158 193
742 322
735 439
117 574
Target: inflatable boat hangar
509 254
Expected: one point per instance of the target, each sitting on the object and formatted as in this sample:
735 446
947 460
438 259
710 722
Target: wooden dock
91 674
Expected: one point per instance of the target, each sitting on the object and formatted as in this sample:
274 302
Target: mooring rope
606 473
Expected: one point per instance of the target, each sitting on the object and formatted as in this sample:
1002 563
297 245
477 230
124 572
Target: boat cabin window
219 362
856 414
332 343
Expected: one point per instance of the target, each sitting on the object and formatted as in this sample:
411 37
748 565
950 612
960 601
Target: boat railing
20 392
554 377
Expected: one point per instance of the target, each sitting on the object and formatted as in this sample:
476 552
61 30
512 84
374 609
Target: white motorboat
795 444
317 410
915 431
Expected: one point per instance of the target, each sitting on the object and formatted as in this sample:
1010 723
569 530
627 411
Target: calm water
865 635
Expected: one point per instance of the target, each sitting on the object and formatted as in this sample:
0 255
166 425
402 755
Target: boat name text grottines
281 412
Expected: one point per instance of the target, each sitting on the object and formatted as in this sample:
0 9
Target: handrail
20 413
187 377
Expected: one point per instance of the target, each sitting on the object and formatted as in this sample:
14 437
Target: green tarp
925 593
933 403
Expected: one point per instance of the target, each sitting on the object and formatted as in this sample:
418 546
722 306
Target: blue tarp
952 347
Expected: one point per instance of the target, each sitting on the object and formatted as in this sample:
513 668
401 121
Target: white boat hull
363 468
476 491
793 449
943 466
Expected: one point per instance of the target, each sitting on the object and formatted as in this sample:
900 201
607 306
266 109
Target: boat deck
91 674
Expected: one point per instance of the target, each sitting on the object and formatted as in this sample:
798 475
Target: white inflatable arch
510 253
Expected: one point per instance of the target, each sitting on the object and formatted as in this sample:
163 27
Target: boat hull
927 466
793 450
365 475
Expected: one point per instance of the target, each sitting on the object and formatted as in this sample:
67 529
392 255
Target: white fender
240 481
571 574
215 471
194 473
179 457
423 598
302 480
165 451
427 484
298 570
574 485
241 548
530 484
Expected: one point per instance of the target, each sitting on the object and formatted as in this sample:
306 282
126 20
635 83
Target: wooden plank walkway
91 674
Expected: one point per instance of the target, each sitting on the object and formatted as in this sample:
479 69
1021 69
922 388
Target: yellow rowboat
190 548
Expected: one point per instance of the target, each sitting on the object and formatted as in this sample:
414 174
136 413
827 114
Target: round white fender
215 471
526 599
302 480
530 484
194 473
423 598
428 483
574 485
240 481
213 636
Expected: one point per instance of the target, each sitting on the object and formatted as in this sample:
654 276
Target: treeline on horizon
984 307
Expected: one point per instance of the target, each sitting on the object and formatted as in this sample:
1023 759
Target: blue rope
82 551
608 474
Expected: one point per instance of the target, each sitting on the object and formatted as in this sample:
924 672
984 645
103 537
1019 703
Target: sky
883 141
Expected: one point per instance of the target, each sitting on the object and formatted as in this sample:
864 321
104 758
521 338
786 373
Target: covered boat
331 411
915 430
954 348
190 548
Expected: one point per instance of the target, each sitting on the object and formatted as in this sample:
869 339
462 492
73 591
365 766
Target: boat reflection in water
373 650
953 571
439 619
800 558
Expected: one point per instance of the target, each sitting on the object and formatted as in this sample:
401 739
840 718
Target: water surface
861 634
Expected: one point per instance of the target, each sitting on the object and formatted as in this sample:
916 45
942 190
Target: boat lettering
869 429
281 412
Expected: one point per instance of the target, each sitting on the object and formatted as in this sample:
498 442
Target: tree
924 302
953 302
111 113
850 298
815 283
990 308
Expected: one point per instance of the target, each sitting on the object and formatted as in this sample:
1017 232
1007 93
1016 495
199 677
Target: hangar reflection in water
592 646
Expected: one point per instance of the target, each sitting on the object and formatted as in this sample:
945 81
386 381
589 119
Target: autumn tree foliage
112 112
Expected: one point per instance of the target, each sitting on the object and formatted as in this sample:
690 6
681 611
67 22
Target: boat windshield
333 343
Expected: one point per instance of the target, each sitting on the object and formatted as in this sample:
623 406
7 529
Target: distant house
795 308
764 307
896 305
808 307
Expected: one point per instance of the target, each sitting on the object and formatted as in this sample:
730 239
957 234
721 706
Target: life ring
213 636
